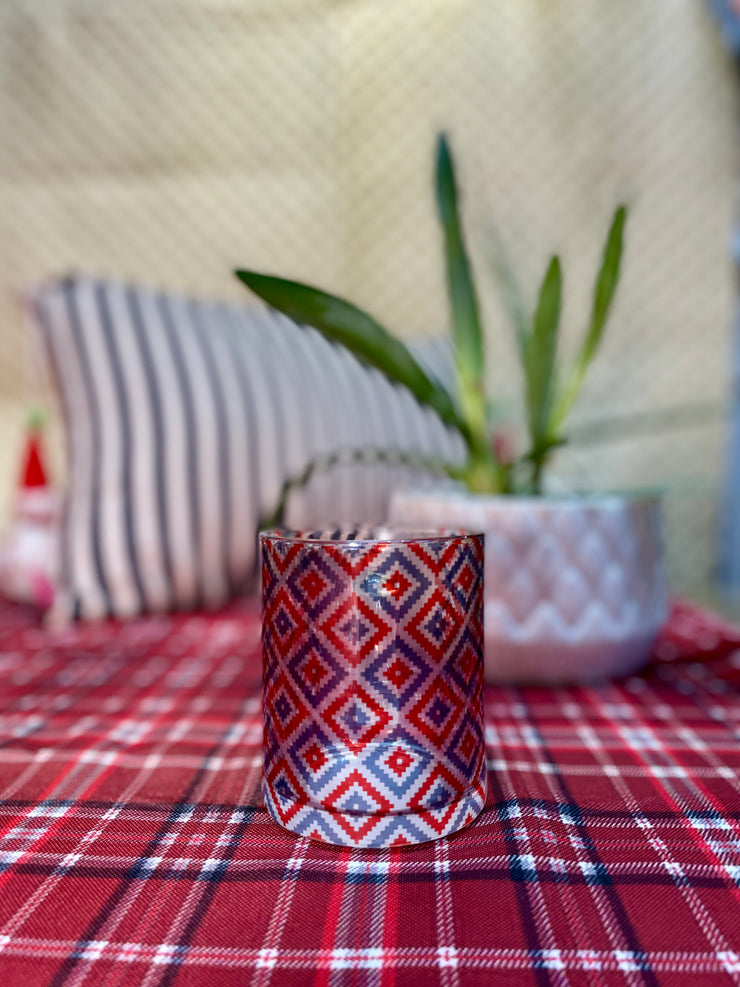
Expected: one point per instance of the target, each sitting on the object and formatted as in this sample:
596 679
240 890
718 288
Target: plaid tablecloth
134 849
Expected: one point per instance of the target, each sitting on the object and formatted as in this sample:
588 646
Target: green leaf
466 324
604 290
539 355
606 283
341 322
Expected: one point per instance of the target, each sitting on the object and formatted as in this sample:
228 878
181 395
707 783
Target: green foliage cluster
549 393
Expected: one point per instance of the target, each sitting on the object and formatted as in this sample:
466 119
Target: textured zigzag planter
575 587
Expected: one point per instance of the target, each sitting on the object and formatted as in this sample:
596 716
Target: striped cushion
183 419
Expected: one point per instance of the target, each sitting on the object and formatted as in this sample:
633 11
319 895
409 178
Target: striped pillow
183 420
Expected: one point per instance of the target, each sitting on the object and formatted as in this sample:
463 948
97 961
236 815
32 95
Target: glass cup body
373 684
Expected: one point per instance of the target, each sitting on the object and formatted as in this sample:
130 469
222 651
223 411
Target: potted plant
575 585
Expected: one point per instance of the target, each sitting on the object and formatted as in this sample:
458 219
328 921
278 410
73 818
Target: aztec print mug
373 684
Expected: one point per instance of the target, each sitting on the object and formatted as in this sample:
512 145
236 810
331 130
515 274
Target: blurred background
168 141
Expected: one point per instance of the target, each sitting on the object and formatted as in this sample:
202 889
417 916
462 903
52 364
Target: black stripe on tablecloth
460 873
564 811
158 432
623 921
524 906
127 452
191 438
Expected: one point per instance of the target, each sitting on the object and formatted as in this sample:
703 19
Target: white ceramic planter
575 587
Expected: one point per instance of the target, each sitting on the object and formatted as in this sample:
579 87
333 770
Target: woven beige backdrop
169 140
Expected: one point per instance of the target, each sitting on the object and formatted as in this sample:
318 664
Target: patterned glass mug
373 684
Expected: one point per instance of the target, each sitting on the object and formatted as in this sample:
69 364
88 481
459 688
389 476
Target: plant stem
537 466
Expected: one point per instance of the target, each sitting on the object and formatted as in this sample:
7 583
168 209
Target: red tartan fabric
134 849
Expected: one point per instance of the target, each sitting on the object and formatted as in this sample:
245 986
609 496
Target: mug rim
380 534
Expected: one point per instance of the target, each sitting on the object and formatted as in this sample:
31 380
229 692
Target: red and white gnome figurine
28 549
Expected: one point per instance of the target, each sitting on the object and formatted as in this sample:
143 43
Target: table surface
134 848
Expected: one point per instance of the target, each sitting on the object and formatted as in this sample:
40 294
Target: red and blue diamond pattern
373 711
